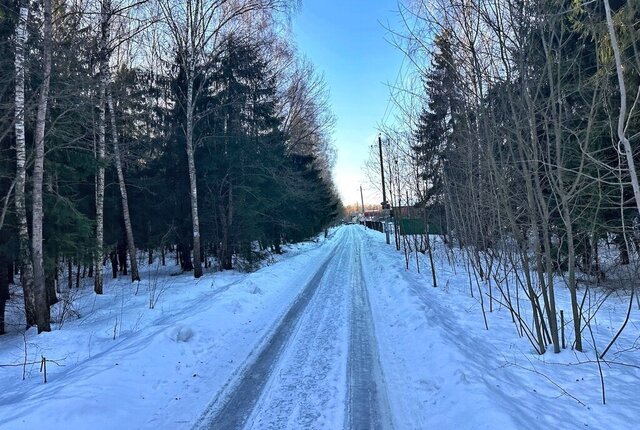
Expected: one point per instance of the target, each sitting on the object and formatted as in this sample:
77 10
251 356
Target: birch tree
123 188
24 256
622 116
42 304
103 58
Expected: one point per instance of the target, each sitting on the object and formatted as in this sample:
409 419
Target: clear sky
346 41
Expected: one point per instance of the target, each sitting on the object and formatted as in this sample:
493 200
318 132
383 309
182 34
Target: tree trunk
122 257
101 147
123 190
43 317
69 274
24 257
184 257
536 199
4 292
224 251
628 150
575 305
197 263
113 257
10 272
50 282
203 255
3 303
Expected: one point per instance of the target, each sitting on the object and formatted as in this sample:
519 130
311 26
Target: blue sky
346 42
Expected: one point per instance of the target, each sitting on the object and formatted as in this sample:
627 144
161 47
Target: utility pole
385 204
362 200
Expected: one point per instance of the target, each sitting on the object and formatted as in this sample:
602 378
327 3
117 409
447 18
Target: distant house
372 215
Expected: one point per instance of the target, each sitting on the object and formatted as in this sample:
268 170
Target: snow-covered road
320 367
337 334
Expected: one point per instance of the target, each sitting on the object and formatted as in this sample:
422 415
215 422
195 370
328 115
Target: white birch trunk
43 318
123 190
193 189
628 151
100 149
24 258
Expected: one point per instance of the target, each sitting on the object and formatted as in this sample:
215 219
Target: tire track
306 388
368 406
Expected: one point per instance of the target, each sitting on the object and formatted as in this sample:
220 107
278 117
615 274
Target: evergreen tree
439 121
241 166
244 151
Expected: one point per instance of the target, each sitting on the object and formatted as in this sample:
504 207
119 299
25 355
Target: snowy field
120 364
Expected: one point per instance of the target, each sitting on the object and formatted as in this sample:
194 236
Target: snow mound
180 333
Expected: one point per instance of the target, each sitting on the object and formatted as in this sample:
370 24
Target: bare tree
622 117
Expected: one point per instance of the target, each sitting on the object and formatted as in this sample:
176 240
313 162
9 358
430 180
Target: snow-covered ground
165 364
123 365
445 370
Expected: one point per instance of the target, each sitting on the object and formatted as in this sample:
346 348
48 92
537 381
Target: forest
517 132
132 128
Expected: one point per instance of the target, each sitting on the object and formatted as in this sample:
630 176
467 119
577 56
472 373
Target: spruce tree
437 123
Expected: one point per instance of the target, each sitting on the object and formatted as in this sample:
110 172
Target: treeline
191 126
521 129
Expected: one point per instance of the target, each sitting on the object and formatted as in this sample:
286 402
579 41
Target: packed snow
167 352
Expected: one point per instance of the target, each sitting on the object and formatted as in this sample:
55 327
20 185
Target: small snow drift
181 334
